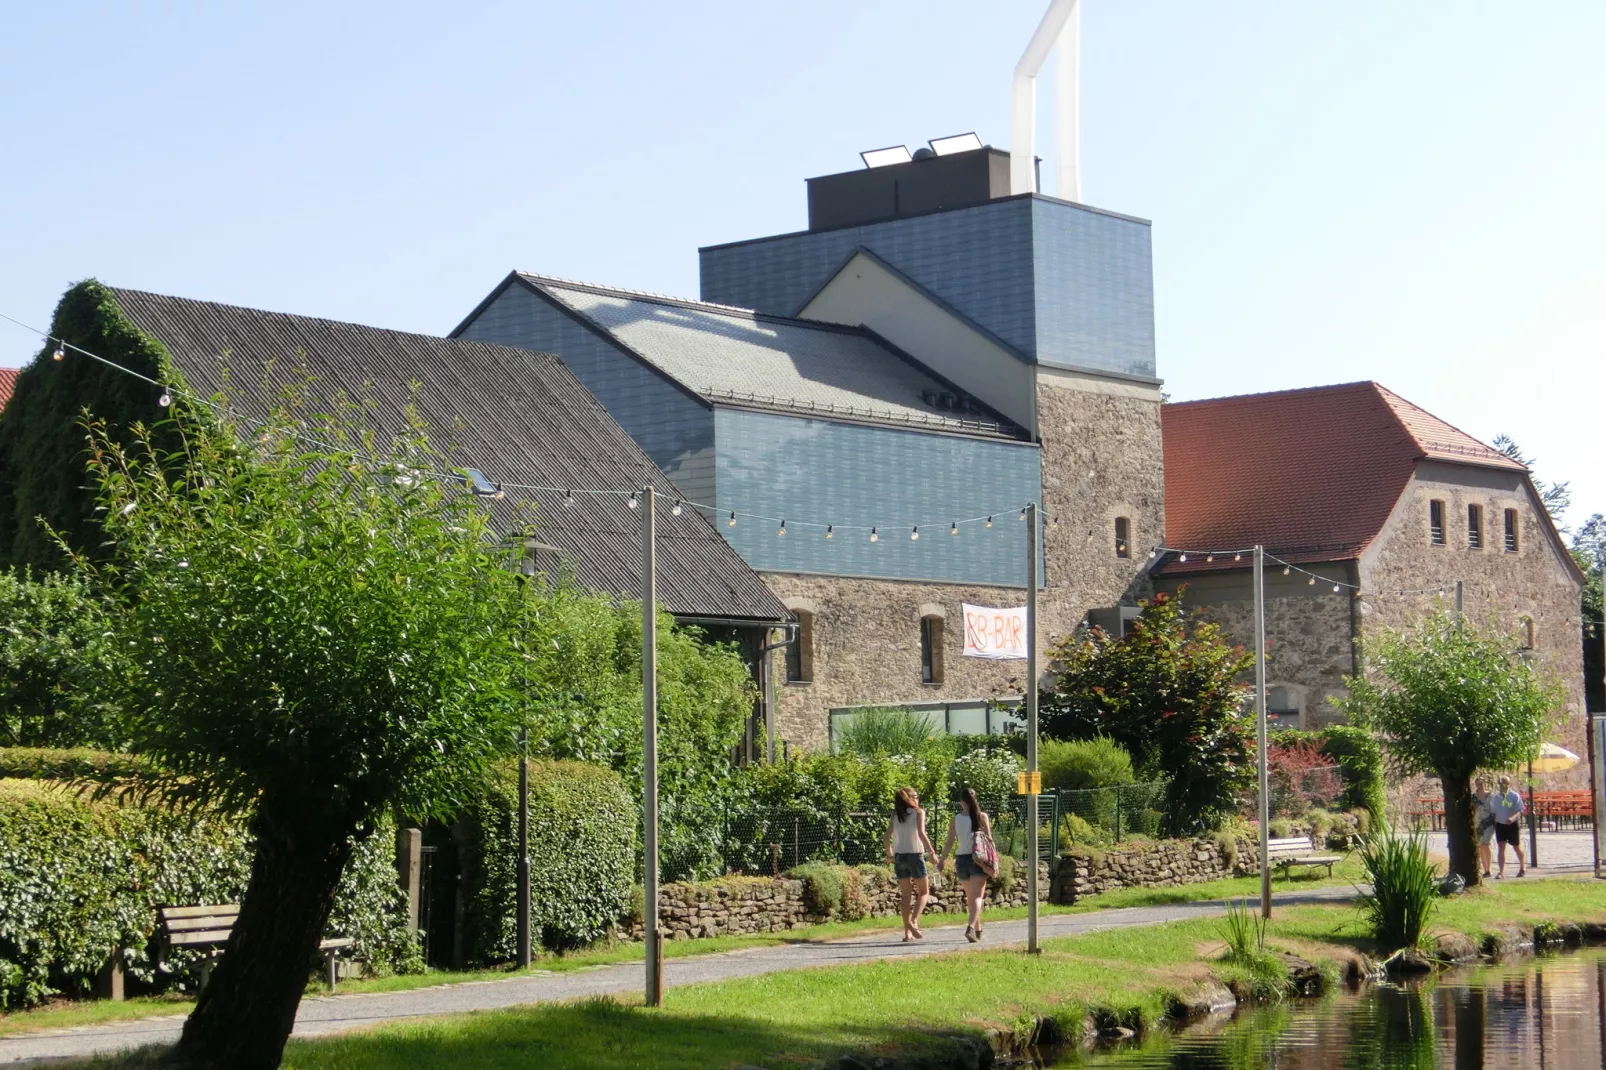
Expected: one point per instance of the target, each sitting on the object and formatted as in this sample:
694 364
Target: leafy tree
1170 696
1450 700
1557 497
1589 551
58 663
43 448
318 637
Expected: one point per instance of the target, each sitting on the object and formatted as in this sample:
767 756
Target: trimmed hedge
80 878
78 763
582 859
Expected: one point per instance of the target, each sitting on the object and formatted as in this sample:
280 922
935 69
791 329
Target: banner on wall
995 633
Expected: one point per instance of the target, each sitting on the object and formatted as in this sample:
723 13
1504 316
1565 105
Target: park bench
208 928
1298 851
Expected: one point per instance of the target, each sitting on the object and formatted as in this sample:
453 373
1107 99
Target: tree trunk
1460 828
244 1015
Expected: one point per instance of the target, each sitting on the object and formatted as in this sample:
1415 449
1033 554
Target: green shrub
1404 888
78 763
1360 765
1363 820
885 730
582 858
1280 828
1320 822
80 878
990 772
1079 764
822 887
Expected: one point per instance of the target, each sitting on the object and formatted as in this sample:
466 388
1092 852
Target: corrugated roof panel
518 416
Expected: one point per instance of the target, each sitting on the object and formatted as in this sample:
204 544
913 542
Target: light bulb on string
60 353
498 493
1311 582
989 521
830 531
1151 555
634 501
953 528
915 534
731 522
1335 588
568 500
1089 534
1183 558
1237 557
873 536
676 510
1023 512
1209 558
782 531
166 399
1285 570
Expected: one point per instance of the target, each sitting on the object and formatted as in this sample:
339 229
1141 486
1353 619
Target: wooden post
649 735
1260 732
410 872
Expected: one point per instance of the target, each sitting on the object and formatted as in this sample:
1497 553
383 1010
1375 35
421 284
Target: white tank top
964 835
906 834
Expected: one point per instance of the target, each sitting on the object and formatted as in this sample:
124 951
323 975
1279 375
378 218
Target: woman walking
962 831
908 847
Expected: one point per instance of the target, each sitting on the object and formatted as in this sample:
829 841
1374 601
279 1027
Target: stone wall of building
1308 629
1501 589
738 906
1150 865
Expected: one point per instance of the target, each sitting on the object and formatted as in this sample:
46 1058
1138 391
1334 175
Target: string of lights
482 485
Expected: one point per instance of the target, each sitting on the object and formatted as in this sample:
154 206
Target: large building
930 355
1389 511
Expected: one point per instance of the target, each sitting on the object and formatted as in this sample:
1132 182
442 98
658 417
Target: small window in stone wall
1282 708
1511 531
800 651
1123 537
1474 527
1436 522
931 650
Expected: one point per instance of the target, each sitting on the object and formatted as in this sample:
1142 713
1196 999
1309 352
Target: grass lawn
806 1015
67 1014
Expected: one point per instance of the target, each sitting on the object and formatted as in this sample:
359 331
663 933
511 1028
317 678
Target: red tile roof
1313 474
8 382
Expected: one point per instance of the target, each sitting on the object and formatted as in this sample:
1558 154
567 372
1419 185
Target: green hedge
1359 758
582 859
79 878
79 763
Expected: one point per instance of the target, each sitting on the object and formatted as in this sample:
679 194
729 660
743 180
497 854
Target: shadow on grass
597 1034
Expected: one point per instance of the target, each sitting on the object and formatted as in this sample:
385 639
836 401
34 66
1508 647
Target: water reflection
1547 1013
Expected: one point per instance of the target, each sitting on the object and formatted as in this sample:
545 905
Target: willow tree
1450 699
318 636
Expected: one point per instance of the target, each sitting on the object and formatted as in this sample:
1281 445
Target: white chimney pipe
1060 28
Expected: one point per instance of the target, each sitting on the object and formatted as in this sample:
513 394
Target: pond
1547 1012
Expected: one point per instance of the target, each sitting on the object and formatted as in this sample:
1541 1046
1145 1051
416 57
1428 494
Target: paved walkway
1558 851
334 1014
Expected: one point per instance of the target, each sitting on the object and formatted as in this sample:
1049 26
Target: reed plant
1404 888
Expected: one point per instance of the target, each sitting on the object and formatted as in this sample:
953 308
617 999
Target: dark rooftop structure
515 415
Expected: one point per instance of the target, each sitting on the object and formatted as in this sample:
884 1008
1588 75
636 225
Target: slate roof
8 383
518 416
735 356
1313 474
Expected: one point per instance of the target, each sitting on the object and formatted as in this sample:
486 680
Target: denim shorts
908 867
965 867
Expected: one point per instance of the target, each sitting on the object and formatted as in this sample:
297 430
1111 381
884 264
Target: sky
1410 193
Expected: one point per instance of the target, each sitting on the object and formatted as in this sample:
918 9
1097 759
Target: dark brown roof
517 416
8 383
1312 474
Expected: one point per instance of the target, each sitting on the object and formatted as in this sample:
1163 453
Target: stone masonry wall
744 905
1150 865
1101 459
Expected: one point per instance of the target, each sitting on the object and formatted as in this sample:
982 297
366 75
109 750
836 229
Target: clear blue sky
1405 192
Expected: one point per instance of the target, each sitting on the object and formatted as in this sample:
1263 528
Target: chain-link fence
1099 816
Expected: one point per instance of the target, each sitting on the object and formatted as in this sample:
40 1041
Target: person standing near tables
1507 807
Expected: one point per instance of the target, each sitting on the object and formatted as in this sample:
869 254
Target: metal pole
649 745
524 846
1533 819
1260 731
1460 601
1031 729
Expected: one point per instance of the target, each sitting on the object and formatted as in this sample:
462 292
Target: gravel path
333 1014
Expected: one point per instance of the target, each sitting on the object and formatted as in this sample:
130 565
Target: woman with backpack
908 847
972 832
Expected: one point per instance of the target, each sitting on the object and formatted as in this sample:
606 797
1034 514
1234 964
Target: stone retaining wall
743 905
1167 862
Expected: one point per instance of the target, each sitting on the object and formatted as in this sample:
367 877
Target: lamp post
1260 731
649 739
1032 534
524 845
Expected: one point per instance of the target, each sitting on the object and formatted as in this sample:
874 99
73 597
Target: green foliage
78 763
822 886
1359 757
1589 554
1404 888
78 879
1078 764
43 444
582 858
887 730
1171 697
1452 699
990 773
1280 828
1261 971
58 663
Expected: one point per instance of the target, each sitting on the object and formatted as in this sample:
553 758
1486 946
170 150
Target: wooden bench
208 928
1298 851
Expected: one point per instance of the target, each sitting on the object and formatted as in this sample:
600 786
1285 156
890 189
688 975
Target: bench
208 928
1298 851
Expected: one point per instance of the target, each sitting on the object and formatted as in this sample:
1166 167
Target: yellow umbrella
1553 759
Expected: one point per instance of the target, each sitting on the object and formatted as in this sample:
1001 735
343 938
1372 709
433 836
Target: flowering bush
990 772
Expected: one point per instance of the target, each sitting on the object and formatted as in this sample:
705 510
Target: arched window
800 651
931 649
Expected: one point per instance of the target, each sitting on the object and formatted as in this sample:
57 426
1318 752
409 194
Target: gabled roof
735 356
517 416
1313 474
8 383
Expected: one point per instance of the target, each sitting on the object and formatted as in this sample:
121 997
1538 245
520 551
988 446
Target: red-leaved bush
1302 779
